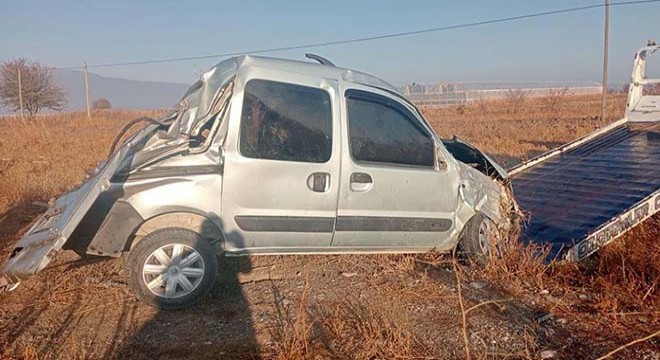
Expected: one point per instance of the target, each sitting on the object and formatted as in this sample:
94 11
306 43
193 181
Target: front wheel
171 268
479 239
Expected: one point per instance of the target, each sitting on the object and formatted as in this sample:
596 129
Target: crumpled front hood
469 154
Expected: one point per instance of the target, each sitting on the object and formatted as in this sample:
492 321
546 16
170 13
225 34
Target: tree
101 104
516 99
39 88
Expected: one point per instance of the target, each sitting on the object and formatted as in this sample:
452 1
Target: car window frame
240 121
368 96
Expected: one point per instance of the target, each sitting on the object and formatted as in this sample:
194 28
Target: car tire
171 268
479 240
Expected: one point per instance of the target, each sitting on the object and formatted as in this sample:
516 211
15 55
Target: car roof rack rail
320 59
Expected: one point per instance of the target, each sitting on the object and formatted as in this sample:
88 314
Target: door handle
319 182
361 182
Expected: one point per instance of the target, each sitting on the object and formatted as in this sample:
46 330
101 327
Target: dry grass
345 330
623 278
354 331
51 154
625 274
613 295
538 126
47 155
615 290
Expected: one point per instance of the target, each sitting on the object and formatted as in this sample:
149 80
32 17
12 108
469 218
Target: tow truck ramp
585 194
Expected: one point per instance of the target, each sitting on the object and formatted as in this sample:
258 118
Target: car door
281 162
395 192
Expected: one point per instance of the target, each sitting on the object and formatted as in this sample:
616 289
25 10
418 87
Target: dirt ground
76 311
351 306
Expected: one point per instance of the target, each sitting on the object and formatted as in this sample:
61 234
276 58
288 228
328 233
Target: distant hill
122 93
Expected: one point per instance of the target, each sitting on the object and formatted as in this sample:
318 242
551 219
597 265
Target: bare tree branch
39 88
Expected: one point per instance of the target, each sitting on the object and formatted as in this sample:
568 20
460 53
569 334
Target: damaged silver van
270 156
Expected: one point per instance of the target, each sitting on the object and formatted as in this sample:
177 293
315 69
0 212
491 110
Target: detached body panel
50 232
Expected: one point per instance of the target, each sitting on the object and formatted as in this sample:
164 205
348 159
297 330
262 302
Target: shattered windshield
198 100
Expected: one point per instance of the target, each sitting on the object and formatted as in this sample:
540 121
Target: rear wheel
171 268
479 239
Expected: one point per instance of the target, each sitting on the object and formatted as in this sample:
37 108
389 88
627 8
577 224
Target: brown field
318 307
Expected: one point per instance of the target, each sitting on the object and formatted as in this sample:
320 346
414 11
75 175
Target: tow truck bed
591 186
583 195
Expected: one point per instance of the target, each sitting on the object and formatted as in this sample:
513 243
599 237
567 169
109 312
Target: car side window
281 121
383 131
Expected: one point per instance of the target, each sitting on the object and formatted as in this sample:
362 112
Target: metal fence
442 95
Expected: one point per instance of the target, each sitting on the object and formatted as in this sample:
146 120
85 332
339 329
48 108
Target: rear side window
381 131
288 122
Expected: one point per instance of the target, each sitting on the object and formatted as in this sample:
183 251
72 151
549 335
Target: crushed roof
309 68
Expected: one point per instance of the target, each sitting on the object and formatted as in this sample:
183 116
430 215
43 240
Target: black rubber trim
385 101
286 223
377 223
109 223
119 225
105 228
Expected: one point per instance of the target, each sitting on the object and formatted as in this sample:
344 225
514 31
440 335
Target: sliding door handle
361 182
319 182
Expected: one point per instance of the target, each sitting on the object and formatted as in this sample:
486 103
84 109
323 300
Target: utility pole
89 113
20 94
605 56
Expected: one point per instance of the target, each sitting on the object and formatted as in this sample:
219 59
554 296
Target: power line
369 38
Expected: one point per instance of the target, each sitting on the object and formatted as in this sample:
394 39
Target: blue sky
557 47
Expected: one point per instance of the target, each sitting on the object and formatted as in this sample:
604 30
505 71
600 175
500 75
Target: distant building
413 89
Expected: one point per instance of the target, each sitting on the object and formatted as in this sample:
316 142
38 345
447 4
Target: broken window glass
288 122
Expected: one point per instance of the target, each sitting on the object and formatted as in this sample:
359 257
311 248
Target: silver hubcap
173 270
486 236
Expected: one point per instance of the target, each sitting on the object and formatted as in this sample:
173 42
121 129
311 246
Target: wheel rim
173 271
485 237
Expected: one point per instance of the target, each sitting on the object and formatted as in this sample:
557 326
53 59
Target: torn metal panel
197 103
468 154
480 192
46 236
7 284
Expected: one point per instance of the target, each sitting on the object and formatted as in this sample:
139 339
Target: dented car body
269 156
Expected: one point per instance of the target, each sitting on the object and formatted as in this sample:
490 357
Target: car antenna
320 59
